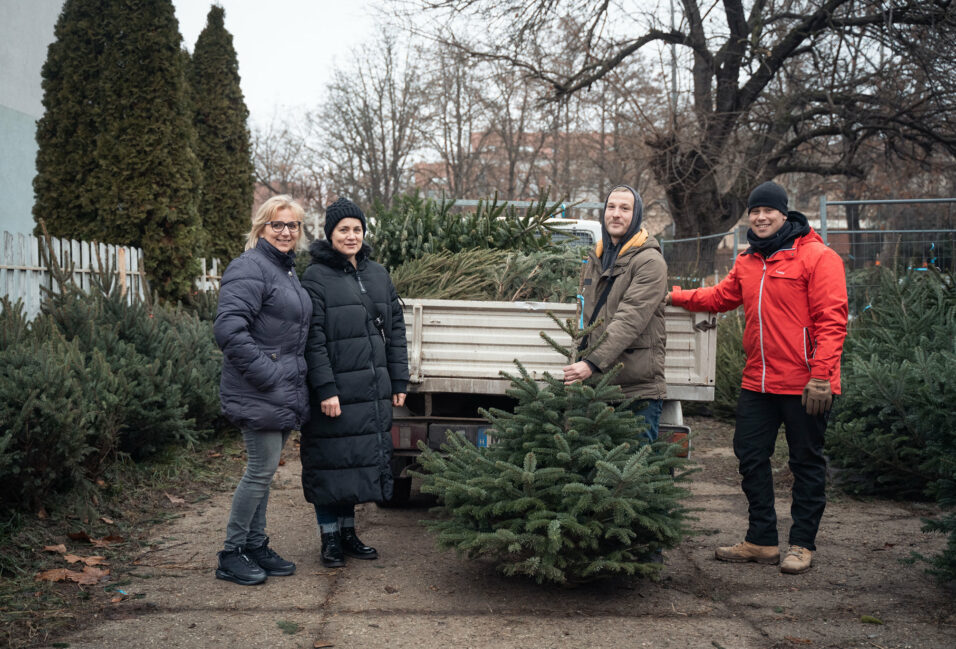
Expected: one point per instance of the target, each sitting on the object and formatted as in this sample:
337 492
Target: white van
576 232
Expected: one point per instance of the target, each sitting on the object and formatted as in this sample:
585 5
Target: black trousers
759 416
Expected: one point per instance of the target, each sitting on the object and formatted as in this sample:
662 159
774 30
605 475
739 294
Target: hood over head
609 250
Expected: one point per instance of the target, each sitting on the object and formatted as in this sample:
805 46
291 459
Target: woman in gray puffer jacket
261 326
358 369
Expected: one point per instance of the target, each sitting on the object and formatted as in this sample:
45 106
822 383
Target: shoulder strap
597 309
373 313
602 299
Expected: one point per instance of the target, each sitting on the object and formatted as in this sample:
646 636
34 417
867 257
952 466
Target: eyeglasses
279 226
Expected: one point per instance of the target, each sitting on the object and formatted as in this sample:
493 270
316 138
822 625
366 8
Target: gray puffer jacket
261 326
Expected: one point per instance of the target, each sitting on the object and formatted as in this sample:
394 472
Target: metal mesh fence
925 239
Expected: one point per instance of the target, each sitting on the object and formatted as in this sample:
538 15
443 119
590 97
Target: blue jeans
338 515
247 518
650 410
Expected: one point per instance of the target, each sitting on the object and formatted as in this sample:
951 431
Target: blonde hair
267 212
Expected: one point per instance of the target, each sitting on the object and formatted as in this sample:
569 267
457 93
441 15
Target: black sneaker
268 560
236 566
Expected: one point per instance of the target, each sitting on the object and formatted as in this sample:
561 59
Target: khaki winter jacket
632 316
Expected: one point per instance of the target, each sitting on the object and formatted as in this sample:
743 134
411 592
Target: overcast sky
286 48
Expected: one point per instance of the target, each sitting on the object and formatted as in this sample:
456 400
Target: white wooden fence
22 269
210 275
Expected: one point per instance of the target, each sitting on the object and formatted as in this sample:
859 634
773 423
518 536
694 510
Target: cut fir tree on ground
570 491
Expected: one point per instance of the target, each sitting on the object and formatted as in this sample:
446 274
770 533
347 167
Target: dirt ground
417 596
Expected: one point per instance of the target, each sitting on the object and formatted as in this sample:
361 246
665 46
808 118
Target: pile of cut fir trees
495 252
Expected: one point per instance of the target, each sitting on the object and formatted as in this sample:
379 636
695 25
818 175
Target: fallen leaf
88 577
79 536
118 598
57 574
100 482
214 455
794 640
90 561
91 576
869 619
281 462
176 500
108 521
41 513
107 541
55 548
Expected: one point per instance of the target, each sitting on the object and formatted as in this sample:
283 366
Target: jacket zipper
763 360
298 398
378 407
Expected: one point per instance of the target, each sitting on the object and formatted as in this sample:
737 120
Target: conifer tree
116 161
569 491
67 131
223 145
147 183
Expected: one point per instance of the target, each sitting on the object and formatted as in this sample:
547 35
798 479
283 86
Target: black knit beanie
769 194
343 208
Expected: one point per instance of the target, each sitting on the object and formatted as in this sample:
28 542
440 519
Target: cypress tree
148 180
115 160
223 145
67 131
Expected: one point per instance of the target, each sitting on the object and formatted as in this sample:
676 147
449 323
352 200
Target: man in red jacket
793 290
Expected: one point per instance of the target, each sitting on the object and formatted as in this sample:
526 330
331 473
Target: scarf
795 226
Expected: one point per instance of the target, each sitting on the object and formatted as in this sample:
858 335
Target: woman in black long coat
357 370
261 326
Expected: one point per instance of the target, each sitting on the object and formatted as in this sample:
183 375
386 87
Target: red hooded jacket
795 314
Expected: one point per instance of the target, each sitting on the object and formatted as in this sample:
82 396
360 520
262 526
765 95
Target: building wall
26 30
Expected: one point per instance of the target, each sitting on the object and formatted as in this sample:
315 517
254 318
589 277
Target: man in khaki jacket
623 287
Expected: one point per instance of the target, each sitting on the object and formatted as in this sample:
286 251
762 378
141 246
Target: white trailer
457 350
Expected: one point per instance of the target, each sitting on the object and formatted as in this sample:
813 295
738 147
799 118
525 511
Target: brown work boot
747 551
797 560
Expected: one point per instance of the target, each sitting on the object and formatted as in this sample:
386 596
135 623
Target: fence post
823 218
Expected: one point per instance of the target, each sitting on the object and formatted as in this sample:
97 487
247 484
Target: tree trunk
697 207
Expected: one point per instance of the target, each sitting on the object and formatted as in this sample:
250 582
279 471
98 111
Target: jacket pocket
809 347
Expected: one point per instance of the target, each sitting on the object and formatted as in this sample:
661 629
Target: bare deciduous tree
772 88
370 123
287 161
457 126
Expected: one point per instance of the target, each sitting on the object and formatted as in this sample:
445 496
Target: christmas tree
569 491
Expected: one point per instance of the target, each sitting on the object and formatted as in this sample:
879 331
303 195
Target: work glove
817 397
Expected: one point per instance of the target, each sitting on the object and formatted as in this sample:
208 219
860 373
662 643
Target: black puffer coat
346 459
261 326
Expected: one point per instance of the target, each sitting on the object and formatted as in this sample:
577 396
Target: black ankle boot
332 556
353 547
